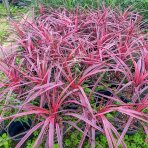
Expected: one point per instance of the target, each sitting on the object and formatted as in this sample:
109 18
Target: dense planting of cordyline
60 52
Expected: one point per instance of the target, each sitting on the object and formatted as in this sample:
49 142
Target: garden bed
78 78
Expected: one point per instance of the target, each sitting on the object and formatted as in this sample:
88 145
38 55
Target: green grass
3 30
4 23
134 141
16 11
139 5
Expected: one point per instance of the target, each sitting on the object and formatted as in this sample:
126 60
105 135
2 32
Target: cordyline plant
65 58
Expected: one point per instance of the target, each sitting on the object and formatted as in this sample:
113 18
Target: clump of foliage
73 139
65 57
136 140
5 141
132 141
